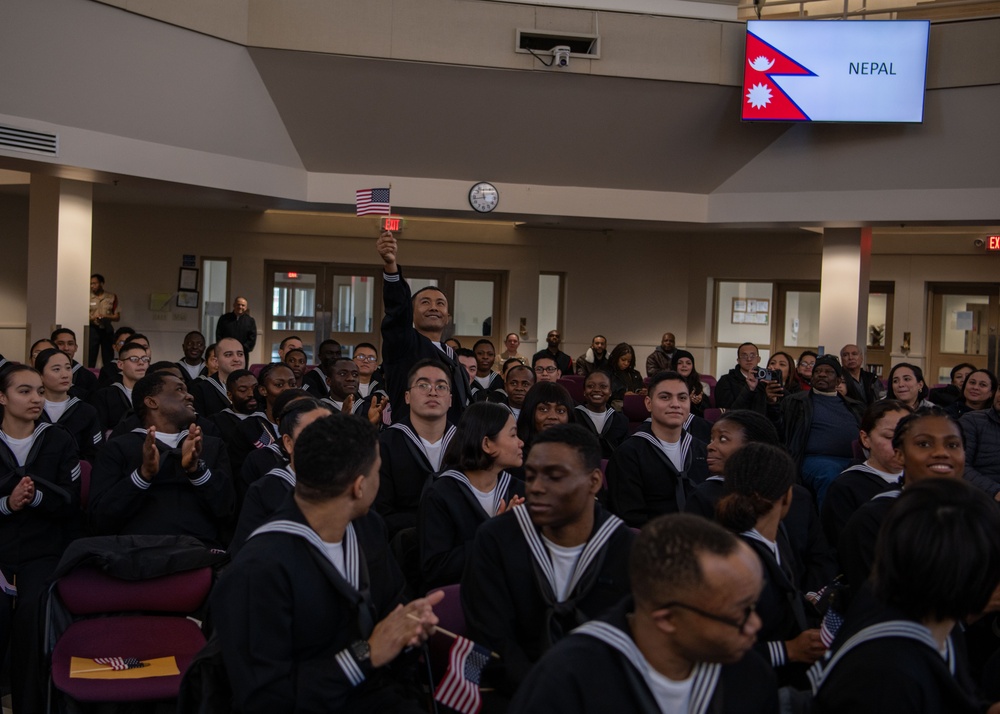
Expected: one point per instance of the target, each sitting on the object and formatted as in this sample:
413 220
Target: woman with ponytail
759 480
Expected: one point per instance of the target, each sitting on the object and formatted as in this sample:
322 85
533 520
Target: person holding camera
747 386
819 426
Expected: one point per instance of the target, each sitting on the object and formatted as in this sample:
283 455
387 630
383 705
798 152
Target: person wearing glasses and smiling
412 448
115 402
682 642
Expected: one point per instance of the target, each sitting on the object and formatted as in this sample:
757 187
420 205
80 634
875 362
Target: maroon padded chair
256 368
574 385
115 620
712 415
634 408
451 617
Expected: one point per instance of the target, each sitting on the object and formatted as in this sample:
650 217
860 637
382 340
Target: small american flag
120 663
832 622
373 201
459 689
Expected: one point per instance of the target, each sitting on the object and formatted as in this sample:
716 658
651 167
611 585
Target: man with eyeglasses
552 351
740 389
110 373
413 330
412 448
114 403
546 369
681 643
549 565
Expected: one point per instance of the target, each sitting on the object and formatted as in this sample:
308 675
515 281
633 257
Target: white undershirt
192 370
20 447
673 452
486 499
55 410
598 418
339 406
563 563
484 381
128 392
336 553
433 452
884 475
171 440
363 389
670 695
517 413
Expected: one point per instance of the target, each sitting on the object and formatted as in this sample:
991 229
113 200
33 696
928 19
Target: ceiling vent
33 142
541 43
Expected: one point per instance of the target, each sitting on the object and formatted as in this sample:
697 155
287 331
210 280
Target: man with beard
552 351
596 357
663 356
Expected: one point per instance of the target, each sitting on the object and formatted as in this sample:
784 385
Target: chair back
634 409
712 415
88 591
574 385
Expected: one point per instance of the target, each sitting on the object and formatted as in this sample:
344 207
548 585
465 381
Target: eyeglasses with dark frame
738 624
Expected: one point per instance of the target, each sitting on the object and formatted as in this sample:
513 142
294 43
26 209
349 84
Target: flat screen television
835 70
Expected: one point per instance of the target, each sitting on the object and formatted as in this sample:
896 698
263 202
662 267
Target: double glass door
317 302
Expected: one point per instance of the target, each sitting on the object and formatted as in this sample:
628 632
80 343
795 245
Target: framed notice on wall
750 311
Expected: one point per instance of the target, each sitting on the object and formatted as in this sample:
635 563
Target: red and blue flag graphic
763 99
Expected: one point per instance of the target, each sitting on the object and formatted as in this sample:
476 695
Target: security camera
560 55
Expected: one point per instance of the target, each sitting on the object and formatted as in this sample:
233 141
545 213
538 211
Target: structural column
843 298
60 223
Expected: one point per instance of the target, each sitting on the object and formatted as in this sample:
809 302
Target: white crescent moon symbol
761 64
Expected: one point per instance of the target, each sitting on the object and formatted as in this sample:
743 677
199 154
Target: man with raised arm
412 330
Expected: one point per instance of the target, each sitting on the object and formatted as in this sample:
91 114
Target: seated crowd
822 542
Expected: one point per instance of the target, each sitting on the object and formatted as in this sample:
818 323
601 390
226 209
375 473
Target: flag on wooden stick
459 688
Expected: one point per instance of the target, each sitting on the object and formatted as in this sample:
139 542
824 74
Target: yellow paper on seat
83 668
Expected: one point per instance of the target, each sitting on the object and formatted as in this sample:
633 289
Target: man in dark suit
238 324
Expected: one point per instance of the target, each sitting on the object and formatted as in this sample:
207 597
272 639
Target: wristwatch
362 653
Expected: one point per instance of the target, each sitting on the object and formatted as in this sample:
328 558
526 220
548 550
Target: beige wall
629 287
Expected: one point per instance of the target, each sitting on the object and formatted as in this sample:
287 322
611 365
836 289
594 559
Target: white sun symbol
759 96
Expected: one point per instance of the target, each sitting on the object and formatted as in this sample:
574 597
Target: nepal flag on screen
763 99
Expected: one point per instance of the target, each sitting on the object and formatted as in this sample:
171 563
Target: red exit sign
993 243
392 223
